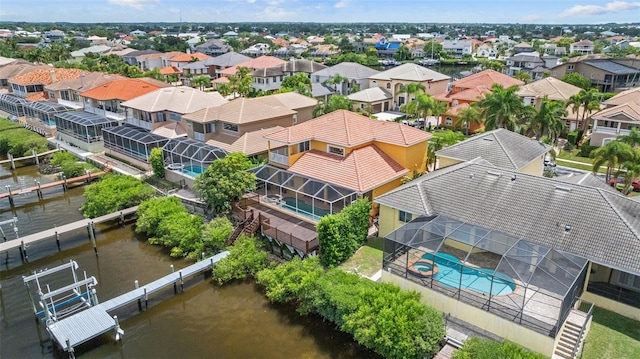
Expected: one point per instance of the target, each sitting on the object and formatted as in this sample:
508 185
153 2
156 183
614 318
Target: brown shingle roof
251 143
44 76
349 129
239 111
362 170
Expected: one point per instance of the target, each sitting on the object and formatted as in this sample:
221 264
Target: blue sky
415 11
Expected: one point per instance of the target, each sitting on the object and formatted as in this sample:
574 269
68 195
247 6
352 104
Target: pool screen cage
541 283
183 152
12 104
132 141
44 111
84 126
301 194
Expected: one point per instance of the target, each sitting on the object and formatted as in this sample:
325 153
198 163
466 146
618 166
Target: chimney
52 73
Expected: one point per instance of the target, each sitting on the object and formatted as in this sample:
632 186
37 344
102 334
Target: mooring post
39 189
146 299
137 285
57 238
175 287
24 250
118 330
35 156
4 236
8 187
70 349
92 235
64 185
12 164
181 282
122 218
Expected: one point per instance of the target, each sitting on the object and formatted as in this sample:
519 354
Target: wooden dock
9 160
55 232
90 323
64 182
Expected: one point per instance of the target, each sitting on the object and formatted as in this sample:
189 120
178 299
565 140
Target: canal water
206 320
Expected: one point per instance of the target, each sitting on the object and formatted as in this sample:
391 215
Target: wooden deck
50 233
88 324
56 183
29 157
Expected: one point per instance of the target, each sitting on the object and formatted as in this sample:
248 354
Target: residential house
78 55
469 90
485 50
252 64
606 74
67 92
138 33
270 78
387 47
525 62
213 47
527 236
231 34
367 158
395 79
54 35
30 85
555 90
323 51
457 48
584 47
555 50
106 100
356 74
181 60
158 60
17 68
523 47
212 66
131 58
371 100
502 148
620 114
256 50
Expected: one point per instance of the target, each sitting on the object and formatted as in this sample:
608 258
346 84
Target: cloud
136 4
586 10
340 4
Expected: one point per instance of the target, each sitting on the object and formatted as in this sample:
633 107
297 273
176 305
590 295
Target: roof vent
487 139
492 173
563 188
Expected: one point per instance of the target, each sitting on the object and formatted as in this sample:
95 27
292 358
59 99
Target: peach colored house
395 79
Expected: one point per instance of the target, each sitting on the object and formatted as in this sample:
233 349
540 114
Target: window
388 85
448 121
210 127
303 146
404 216
455 103
317 79
374 84
52 95
230 127
175 116
335 150
160 117
570 67
295 118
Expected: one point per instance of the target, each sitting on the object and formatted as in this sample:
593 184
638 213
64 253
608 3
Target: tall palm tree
224 89
613 154
547 117
335 102
335 80
633 138
469 117
412 88
435 144
588 101
501 107
437 109
630 170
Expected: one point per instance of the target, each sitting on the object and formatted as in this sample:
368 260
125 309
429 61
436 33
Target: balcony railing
611 130
278 158
142 124
198 136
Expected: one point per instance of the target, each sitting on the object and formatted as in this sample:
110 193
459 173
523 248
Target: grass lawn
573 156
612 336
368 259
585 167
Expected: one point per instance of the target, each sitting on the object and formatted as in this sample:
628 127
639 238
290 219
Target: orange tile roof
470 94
221 80
257 63
169 70
486 79
346 128
453 111
44 76
121 90
362 170
36 96
189 57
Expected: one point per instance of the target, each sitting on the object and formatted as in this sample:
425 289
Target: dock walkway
51 233
88 324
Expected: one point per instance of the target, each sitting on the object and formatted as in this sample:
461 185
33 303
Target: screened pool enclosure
44 111
12 104
300 194
84 126
190 157
132 141
519 280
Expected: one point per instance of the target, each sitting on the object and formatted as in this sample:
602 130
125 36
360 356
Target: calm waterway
231 321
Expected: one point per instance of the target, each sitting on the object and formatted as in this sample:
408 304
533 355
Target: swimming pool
303 208
452 273
192 171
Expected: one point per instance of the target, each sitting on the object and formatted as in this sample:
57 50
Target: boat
429 62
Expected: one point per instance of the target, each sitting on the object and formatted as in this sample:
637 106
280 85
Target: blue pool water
422 267
452 274
192 171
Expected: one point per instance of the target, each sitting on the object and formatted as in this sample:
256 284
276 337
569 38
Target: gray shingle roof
604 225
502 148
613 67
350 70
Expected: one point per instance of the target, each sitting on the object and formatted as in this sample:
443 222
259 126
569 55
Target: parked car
635 184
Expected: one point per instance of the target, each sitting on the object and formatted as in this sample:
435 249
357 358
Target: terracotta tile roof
239 111
257 63
486 79
362 170
221 80
84 83
469 94
454 110
169 70
346 128
121 90
19 67
251 143
629 111
36 96
189 57
44 76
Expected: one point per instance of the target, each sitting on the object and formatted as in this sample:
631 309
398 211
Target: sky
415 11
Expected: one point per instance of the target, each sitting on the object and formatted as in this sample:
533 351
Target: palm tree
613 154
335 80
201 81
412 88
523 76
633 138
501 107
335 102
589 101
547 117
435 144
469 117
449 137
630 170
224 89
438 108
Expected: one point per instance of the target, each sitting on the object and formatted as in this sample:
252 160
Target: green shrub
72 169
476 348
341 234
157 162
245 259
585 150
572 138
59 157
114 193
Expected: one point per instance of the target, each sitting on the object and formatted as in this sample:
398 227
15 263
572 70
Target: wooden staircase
570 336
249 226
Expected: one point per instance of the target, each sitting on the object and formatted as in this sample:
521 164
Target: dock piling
57 238
12 164
35 156
146 299
92 236
181 282
122 219
65 188
70 349
137 285
175 286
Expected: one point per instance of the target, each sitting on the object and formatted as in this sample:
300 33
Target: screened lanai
132 141
12 104
512 277
84 126
301 194
44 111
189 156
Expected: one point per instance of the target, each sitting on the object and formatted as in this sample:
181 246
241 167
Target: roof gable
486 79
180 100
121 90
410 72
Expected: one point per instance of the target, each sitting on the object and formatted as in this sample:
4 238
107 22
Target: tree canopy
114 193
224 181
576 79
335 102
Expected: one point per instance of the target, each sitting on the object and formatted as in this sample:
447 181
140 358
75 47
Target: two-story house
525 62
487 51
67 92
356 75
621 113
522 47
212 66
213 47
30 85
159 60
252 64
395 79
457 48
469 90
179 61
606 74
270 78
16 68
555 90
584 47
